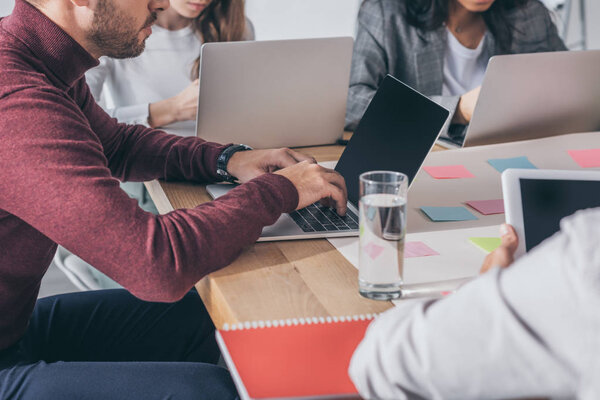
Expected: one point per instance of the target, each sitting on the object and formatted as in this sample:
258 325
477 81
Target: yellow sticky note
487 244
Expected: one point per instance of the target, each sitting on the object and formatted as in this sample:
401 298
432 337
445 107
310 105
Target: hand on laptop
466 106
315 183
504 255
247 165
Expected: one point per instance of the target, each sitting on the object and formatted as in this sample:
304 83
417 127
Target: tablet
535 201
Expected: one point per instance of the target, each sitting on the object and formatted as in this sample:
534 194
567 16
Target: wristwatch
223 159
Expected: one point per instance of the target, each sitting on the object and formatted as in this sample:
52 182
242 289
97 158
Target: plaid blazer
387 44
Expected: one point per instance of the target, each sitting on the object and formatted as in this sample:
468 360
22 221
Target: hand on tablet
504 255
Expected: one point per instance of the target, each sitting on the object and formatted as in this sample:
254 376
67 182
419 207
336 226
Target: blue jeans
107 344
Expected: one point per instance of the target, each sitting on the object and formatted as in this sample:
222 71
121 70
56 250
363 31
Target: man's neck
64 16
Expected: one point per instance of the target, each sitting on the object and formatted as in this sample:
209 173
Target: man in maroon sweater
61 159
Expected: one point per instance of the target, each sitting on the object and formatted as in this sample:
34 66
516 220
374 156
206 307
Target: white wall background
6 7
292 19
282 19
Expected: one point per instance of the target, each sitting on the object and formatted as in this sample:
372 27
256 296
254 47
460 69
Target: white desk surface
458 257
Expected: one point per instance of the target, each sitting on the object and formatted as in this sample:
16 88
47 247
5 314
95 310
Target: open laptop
280 93
529 96
396 133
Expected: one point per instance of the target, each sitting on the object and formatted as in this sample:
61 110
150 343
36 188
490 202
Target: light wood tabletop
275 280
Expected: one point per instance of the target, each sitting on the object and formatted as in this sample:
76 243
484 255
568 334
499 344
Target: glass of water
382 209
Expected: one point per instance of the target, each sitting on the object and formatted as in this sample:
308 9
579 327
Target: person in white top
528 331
464 67
464 60
160 87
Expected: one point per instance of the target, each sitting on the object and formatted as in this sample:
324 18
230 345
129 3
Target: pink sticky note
487 207
586 158
418 249
449 172
373 250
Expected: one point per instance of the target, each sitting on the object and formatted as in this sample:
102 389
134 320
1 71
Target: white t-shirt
125 87
464 68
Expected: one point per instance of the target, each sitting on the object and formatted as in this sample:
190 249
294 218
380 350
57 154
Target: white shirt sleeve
136 114
130 114
96 77
526 331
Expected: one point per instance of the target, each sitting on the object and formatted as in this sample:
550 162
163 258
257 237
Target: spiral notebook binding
296 321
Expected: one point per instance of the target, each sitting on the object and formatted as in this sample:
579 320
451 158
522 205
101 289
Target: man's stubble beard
115 34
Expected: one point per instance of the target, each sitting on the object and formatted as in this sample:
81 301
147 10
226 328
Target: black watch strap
223 160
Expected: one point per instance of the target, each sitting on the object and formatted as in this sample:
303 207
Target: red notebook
297 359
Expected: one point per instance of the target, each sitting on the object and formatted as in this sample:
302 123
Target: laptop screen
396 133
546 201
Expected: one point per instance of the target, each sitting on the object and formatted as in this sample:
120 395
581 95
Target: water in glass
382 230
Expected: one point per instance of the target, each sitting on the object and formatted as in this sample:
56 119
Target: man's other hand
315 183
504 255
247 165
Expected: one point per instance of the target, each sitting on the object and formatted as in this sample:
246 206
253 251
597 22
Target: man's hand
466 106
247 165
504 255
315 183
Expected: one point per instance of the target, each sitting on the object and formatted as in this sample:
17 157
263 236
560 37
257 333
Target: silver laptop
396 133
281 93
529 96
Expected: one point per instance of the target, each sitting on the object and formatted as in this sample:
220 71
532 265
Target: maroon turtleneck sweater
61 159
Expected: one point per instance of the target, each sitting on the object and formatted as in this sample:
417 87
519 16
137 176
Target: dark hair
429 15
221 21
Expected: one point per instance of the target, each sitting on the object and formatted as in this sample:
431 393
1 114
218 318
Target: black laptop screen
396 133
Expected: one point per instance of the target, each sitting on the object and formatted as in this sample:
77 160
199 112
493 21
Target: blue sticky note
505 163
441 214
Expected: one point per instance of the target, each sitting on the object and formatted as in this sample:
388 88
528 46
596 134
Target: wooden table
275 280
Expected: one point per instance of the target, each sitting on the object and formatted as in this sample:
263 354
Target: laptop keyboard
318 218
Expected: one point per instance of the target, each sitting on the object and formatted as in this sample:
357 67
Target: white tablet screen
545 202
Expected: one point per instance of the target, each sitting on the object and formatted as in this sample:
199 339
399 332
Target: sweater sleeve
526 331
55 176
138 153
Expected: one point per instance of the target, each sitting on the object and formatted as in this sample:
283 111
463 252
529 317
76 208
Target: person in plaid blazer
409 39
